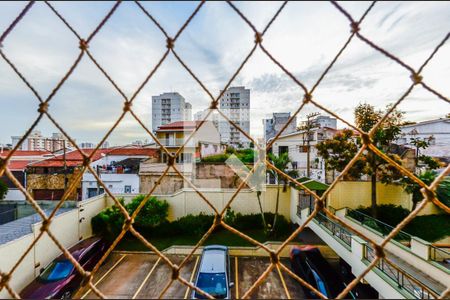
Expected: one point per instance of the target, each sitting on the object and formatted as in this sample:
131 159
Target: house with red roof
197 140
48 179
17 163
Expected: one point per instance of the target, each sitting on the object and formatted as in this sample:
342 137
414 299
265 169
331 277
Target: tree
442 191
340 150
281 162
3 190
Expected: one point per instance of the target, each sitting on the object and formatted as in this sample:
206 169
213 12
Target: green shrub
387 213
109 222
430 228
443 191
218 158
193 225
3 190
153 213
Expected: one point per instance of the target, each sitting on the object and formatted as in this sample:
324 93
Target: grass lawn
222 237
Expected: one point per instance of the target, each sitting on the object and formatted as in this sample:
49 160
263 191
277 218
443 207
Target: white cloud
304 38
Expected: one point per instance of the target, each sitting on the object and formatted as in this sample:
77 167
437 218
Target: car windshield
320 284
57 270
214 284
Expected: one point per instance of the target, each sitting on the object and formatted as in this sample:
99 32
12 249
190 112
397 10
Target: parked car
60 279
309 264
213 275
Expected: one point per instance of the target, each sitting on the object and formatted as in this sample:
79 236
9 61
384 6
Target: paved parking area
142 275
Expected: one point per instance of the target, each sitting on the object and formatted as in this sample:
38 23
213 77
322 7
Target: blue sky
304 38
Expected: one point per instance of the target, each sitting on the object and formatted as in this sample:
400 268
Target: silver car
213 274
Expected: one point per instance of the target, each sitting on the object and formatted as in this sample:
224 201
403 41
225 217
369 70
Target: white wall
14 195
115 182
68 228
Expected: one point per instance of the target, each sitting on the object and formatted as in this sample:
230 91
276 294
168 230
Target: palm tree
281 162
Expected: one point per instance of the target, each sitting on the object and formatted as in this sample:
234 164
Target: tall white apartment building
168 108
235 103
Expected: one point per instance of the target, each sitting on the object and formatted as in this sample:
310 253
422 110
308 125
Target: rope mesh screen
378 253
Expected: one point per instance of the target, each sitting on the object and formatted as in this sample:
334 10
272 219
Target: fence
401 278
440 255
381 227
355 24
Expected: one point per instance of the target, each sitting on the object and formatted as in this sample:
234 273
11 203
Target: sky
304 38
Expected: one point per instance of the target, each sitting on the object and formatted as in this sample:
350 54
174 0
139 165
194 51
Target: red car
60 279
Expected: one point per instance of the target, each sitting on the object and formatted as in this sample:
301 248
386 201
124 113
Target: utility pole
310 124
65 165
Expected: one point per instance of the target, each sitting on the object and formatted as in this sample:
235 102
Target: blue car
213 274
309 264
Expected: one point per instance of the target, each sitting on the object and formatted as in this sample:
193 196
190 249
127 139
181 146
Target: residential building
326 121
17 165
86 145
213 116
235 103
436 131
204 142
296 145
119 171
168 108
49 178
273 125
37 142
187 111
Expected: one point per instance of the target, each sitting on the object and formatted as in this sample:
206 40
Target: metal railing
337 230
382 228
402 279
441 256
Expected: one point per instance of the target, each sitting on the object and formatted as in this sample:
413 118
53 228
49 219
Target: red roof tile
180 125
5 153
18 165
75 158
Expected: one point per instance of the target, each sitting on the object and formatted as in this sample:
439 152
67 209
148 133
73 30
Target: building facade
168 108
48 179
437 132
17 165
235 103
326 121
273 125
296 145
37 142
204 142
213 117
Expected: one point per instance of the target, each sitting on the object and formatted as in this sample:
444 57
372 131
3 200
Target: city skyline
135 45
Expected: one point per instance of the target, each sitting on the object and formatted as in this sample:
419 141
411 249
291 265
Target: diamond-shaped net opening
375 253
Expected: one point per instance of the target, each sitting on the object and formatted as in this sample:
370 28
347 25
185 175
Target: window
302 149
294 165
283 149
214 284
57 270
127 189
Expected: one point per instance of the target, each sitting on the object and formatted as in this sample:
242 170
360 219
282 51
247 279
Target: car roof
79 249
213 261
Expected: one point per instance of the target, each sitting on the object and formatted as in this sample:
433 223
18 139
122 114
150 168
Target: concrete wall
415 256
68 228
188 201
115 182
14 195
353 194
